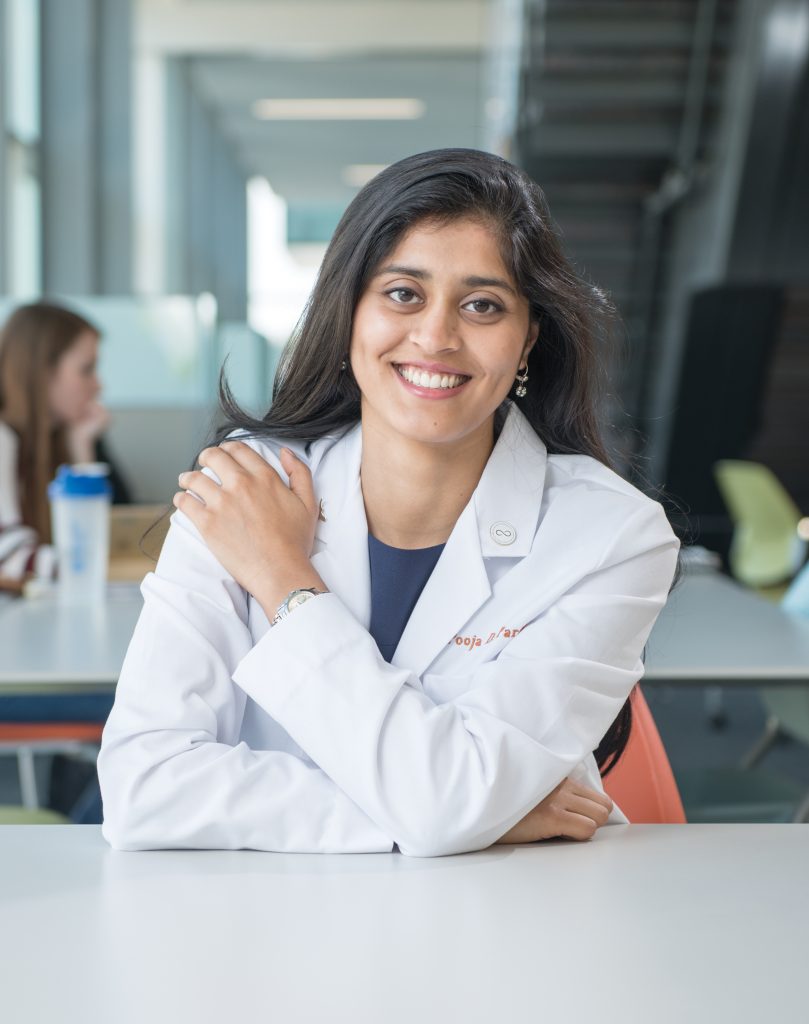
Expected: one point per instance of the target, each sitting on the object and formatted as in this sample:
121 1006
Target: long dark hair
312 397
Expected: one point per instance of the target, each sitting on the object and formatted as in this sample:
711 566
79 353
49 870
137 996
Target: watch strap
292 600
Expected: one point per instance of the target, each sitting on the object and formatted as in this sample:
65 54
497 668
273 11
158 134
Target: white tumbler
80 517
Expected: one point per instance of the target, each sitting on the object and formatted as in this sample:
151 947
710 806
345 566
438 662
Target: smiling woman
296 680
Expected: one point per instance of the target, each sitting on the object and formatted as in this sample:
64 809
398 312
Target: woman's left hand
259 529
83 434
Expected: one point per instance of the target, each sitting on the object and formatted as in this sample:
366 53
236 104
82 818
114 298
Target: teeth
427 380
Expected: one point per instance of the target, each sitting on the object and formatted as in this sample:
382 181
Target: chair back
766 548
642 783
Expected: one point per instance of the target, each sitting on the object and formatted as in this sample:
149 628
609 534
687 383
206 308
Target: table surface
663 923
45 646
711 631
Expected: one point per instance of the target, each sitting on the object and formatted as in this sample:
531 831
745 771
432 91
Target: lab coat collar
510 490
504 507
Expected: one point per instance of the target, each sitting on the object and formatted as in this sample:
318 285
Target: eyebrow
423 275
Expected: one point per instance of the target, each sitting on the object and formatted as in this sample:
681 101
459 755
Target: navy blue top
398 576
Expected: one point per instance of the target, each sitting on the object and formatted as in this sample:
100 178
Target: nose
436 328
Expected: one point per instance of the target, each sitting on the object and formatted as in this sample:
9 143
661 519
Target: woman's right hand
571 811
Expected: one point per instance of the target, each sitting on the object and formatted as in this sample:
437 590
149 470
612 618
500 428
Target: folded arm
455 777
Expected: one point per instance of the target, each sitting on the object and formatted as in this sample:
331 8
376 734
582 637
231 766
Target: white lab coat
229 734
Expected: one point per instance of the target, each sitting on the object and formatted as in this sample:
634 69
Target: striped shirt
20 550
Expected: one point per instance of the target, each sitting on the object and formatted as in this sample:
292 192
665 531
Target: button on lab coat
227 733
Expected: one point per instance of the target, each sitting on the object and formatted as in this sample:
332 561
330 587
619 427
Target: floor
705 757
699 752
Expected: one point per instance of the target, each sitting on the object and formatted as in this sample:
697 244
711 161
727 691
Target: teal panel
312 222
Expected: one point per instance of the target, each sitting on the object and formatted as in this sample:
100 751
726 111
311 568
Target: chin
426 429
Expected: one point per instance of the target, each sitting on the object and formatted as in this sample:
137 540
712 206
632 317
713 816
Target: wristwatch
292 600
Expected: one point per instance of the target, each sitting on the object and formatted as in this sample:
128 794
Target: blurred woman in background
49 414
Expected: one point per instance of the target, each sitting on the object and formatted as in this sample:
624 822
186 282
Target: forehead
471 245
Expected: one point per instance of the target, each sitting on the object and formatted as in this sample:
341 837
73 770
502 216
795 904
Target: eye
483 306
403 296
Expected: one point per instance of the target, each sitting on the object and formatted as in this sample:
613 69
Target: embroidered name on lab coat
477 641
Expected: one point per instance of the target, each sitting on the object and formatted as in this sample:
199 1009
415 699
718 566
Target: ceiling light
339 110
358 175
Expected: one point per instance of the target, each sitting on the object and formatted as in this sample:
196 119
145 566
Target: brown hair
32 341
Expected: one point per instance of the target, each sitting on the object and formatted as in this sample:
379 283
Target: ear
531 340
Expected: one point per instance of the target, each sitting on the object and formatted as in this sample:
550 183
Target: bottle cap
82 480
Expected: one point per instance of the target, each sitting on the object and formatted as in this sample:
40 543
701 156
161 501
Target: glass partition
155 352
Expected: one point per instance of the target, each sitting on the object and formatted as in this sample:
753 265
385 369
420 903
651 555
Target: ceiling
239 52
305 160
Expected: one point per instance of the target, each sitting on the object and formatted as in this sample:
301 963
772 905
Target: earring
521 390
343 365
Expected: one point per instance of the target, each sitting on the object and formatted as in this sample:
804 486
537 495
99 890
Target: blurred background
174 170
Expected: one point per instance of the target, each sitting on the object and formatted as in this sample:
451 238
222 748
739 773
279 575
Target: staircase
618 107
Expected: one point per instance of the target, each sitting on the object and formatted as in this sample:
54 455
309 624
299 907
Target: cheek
59 391
76 388
497 360
69 393
371 336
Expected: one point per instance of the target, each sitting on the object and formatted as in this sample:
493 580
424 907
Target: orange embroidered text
470 642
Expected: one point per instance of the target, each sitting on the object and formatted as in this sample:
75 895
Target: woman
49 414
402 608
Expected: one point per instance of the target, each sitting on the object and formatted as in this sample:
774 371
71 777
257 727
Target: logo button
503 533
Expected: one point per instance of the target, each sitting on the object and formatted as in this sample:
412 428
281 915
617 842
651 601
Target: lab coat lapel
341 542
457 587
500 521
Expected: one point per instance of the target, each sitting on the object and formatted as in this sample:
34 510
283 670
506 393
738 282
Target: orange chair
24 739
642 783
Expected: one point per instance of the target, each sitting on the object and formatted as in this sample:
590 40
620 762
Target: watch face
299 598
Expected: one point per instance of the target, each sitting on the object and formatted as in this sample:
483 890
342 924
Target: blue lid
81 481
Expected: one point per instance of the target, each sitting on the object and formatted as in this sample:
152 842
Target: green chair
766 549
765 515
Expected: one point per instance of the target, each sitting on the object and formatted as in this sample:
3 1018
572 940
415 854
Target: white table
48 648
715 632
664 924
711 632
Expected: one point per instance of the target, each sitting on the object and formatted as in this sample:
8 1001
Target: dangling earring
521 390
343 365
